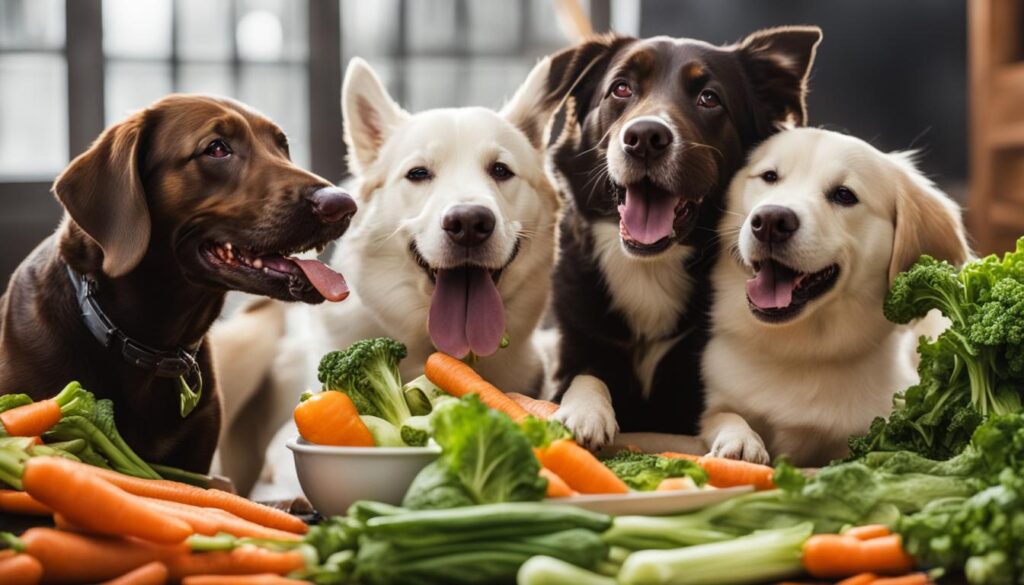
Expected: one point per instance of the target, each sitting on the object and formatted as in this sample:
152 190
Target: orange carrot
32 419
541 409
330 418
557 488
264 579
829 556
21 569
580 469
671 484
908 579
724 472
15 502
210 521
88 501
859 579
77 558
173 491
154 573
244 560
458 379
868 531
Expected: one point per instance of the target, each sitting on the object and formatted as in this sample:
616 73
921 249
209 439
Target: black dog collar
177 363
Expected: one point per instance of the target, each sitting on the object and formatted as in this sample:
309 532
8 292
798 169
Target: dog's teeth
228 246
257 263
266 271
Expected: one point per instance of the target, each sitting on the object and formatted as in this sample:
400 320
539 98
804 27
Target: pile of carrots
864 555
121 529
569 468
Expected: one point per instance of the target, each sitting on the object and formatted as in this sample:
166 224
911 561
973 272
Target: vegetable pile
973 369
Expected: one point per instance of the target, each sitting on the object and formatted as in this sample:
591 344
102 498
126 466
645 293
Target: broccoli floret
928 284
368 373
644 472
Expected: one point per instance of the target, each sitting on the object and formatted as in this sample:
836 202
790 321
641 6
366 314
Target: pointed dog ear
529 109
102 192
576 72
778 62
368 112
927 221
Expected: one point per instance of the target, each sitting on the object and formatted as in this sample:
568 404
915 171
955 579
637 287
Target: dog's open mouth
778 293
651 218
303 275
466 310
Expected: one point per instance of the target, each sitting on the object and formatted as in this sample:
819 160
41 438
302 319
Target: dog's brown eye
217 149
501 172
769 176
843 196
708 99
418 174
622 90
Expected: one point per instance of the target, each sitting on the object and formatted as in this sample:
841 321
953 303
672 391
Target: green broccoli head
644 472
928 284
367 371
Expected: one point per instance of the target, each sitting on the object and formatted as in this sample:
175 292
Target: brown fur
141 203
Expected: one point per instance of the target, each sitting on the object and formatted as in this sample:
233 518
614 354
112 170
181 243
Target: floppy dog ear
529 109
368 112
102 192
778 62
576 72
927 221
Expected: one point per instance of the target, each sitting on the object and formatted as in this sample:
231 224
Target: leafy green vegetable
542 433
545 570
643 472
367 371
763 556
485 459
972 370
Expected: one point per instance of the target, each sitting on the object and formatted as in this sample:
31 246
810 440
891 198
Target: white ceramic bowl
335 477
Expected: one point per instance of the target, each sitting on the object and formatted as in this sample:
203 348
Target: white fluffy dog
801 357
451 248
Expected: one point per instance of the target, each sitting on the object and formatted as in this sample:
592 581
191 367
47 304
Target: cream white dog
801 357
451 249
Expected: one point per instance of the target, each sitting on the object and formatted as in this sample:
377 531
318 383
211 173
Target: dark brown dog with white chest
649 134
166 212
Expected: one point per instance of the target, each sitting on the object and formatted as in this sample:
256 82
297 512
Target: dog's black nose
468 225
332 204
646 139
774 224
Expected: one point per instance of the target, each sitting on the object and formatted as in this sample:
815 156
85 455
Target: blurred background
893 73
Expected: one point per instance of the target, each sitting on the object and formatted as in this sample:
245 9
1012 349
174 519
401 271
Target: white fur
390 292
802 387
586 408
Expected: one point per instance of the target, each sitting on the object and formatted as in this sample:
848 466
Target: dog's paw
592 429
742 445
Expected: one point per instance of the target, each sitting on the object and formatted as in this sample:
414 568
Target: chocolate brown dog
167 211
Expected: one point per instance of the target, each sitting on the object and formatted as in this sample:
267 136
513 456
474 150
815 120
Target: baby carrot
330 418
541 409
244 560
68 557
458 379
173 491
908 579
263 579
724 472
859 579
557 488
31 419
868 531
154 573
21 569
580 469
88 501
829 556
15 502
210 521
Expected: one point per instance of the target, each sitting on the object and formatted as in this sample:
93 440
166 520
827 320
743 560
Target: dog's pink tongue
327 282
772 287
648 219
466 313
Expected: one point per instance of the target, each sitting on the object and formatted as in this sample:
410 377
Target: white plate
652 503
